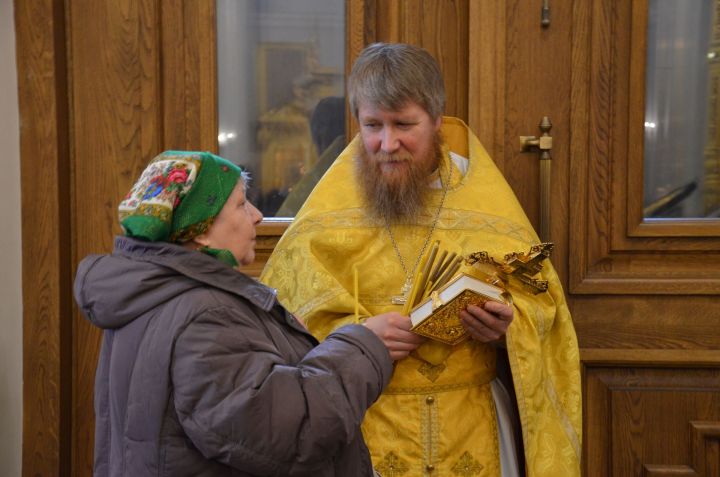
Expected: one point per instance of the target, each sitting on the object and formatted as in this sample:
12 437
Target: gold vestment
438 418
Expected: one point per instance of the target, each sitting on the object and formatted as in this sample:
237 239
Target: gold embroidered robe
439 419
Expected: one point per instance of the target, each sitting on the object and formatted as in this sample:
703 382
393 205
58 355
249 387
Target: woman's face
234 227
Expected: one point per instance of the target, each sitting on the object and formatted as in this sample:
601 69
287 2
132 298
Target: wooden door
643 295
106 85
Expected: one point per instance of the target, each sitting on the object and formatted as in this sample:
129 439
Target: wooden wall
106 85
103 87
46 263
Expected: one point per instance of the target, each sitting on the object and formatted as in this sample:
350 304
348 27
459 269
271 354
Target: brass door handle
544 142
544 145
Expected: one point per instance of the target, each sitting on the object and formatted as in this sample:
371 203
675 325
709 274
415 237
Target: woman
202 372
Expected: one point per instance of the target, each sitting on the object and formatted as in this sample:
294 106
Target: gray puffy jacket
203 373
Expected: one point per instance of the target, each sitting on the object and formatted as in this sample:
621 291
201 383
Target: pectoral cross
405 293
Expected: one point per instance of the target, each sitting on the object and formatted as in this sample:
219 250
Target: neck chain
405 290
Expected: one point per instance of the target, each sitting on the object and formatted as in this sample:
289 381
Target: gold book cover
438 316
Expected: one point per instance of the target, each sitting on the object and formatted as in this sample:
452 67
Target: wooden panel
518 73
359 32
46 268
706 447
705 454
538 83
650 470
115 74
439 26
616 252
648 322
125 98
189 75
651 421
424 23
486 75
386 18
667 358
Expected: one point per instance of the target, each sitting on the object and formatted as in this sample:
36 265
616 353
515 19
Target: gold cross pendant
405 293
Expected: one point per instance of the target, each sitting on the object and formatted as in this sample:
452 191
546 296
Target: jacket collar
198 266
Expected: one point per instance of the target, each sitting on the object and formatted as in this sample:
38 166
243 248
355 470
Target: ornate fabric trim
520 394
429 429
432 388
319 300
540 322
392 466
432 372
454 219
467 466
564 419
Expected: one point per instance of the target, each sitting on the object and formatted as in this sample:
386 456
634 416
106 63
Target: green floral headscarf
178 196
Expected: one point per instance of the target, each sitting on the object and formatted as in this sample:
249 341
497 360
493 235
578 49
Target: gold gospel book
438 316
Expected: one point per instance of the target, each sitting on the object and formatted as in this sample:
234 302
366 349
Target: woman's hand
393 329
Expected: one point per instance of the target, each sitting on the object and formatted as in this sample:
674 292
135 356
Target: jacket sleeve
242 404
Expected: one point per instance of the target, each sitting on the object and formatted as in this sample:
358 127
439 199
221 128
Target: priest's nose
389 143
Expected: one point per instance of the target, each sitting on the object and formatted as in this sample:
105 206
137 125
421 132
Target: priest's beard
397 195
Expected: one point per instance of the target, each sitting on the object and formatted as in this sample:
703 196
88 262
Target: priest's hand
393 329
489 323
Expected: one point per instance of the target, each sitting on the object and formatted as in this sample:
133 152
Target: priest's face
400 149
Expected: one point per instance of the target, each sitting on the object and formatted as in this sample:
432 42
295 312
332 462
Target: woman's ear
201 240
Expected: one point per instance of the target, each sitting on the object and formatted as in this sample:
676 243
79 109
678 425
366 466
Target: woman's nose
258 216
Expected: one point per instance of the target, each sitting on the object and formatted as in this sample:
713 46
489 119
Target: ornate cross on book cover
517 265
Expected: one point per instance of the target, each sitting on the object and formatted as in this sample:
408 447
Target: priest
505 402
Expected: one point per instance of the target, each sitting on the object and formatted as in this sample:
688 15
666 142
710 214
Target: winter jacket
203 373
